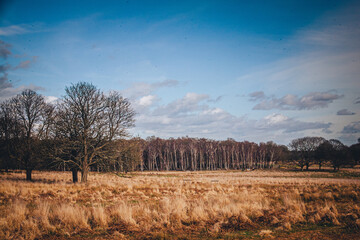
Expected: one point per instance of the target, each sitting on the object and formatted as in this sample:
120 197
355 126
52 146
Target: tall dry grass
173 202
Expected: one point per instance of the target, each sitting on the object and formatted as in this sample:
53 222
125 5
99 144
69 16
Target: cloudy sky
249 70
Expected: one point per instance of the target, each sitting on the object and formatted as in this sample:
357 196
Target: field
274 204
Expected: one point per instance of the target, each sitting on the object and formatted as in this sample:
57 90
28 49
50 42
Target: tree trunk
28 174
75 175
84 174
84 170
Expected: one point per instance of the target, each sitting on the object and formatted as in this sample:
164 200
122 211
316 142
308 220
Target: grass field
182 205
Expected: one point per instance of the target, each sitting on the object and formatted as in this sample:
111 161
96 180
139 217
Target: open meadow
273 204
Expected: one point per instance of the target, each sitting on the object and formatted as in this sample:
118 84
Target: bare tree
355 152
97 120
304 150
322 153
9 131
130 155
339 154
33 117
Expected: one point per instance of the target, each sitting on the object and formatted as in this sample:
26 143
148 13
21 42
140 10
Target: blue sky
256 70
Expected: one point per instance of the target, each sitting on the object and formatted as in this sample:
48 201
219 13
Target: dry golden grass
152 204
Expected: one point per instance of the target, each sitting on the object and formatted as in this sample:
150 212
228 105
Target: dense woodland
86 131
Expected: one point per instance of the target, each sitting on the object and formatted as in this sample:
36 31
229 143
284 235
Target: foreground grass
182 205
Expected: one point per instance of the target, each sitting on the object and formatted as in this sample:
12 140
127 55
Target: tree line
86 131
205 154
194 154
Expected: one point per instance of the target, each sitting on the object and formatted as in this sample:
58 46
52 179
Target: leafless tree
304 150
96 120
204 154
129 155
9 132
339 154
34 117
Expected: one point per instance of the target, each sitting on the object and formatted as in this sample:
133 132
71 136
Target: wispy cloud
217 99
350 133
8 92
7 89
4 49
26 64
20 29
277 121
352 128
309 101
258 95
141 89
345 112
357 100
4 53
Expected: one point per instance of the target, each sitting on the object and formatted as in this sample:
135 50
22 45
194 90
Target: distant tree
9 132
129 154
33 117
355 152
282 154
272 151
339 154
98 120
304 150
322 153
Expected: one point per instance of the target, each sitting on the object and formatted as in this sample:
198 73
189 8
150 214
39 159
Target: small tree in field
96 121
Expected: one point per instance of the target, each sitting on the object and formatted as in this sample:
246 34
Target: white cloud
50 99
190 103
147 100
276 118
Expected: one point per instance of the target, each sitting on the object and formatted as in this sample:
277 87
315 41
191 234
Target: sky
248 70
